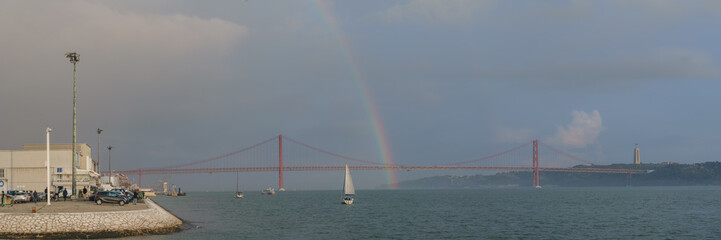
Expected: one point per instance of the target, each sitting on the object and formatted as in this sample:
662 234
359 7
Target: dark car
109 197
123 193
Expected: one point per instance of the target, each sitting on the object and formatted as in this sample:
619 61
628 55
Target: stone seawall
155 219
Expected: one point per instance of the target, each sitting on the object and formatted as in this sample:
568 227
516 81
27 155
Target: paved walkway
70 207
84 219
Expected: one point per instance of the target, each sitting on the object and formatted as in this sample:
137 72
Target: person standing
85 192
46 193
35 197
135 197
3 198
65 194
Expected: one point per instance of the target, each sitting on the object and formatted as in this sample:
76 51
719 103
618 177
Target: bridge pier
629 177
280 163
536 178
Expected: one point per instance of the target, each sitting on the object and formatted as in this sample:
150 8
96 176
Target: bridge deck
372 168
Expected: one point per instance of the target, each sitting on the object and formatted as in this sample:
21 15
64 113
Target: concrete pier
61 220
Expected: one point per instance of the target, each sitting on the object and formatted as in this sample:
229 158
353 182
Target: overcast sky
178 81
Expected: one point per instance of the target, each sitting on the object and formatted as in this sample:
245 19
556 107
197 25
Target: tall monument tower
636 155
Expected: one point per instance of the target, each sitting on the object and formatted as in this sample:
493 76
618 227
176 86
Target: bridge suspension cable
565 154
490 156
330 153
214 158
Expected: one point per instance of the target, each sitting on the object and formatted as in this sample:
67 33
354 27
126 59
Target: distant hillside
708 173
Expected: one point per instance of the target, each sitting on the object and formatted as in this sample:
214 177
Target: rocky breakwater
154 219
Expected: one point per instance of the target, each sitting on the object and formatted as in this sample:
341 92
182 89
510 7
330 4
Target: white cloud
583 130
429 11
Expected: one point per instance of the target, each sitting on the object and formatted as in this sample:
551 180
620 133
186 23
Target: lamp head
73 56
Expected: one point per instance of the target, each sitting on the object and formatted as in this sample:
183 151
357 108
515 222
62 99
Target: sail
348 186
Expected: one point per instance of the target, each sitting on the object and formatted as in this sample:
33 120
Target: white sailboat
348 189
238 193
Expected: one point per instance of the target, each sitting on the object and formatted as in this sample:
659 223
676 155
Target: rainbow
354 66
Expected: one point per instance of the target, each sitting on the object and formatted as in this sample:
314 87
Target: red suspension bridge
268 156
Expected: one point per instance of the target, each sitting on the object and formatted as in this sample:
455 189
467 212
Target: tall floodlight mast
74 58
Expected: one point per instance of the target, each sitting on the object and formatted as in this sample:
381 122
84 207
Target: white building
25 169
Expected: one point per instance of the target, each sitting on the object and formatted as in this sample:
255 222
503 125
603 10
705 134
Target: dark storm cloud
453 80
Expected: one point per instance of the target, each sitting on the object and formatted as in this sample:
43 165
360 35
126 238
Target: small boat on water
238 193
348 189
268 191
178 193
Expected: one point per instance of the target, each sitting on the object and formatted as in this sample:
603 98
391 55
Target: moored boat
268 191
238 193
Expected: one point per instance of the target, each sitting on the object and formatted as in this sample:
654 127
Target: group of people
6 199
56 197
81 194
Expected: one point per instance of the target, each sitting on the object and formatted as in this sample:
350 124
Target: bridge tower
536 179
280 163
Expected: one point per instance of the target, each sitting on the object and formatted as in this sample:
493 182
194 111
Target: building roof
61 146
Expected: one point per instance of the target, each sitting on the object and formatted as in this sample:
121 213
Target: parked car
21 197
109 197
128 195
122 194
41 196
120 190
13 192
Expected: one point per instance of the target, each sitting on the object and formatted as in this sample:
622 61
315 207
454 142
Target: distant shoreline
653 174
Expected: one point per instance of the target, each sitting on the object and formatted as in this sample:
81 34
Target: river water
548 213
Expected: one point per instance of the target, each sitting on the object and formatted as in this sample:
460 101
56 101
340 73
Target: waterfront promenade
70 207
82 219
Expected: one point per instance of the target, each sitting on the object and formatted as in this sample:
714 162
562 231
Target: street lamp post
74 58
47 162
110 170
97 166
